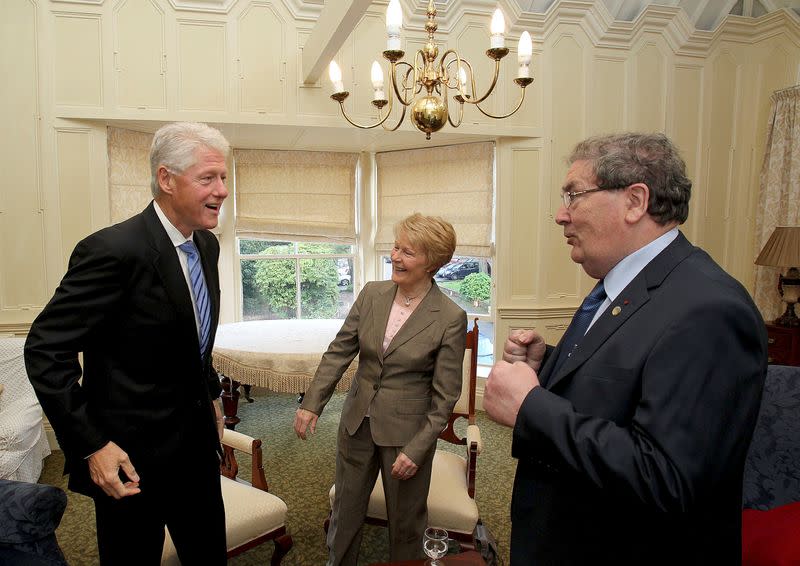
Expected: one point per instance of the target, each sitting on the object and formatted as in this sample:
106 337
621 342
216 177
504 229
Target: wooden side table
783 345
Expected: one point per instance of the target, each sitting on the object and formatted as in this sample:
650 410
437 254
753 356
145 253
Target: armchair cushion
771 538
249 512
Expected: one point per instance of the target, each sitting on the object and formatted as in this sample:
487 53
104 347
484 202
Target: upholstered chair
253 515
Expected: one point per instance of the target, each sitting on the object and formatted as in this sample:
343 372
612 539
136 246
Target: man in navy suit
140 431
631 436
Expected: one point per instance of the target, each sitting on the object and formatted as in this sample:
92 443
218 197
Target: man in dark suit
140 300
631 437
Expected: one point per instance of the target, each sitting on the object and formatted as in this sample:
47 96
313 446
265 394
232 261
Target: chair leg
283 544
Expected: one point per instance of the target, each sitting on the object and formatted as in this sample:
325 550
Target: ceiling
704 14
339 136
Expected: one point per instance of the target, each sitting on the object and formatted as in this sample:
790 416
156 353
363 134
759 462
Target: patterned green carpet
301 473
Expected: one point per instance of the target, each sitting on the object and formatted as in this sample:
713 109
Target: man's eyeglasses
569 197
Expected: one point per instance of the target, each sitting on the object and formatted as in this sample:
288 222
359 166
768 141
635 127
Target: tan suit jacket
409 390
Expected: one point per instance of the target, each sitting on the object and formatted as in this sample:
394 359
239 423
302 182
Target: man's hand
104 468
304 420
403 468
526 346
506 389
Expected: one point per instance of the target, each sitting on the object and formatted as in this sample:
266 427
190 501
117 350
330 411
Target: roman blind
295 195
455 182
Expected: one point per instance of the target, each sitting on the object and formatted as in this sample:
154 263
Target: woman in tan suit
410 338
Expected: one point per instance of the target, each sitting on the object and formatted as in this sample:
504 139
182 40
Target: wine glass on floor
435 545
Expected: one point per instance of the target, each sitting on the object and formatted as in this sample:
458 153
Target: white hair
175 147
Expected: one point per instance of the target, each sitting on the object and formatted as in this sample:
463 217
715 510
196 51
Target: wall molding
17 329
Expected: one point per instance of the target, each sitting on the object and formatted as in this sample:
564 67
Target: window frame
296 257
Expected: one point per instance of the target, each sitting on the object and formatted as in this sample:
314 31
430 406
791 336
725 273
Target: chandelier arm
400 121
363 127
491 86
460 116
403 100
468 65
521 98
444 70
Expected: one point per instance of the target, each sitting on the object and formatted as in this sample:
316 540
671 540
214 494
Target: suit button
375 387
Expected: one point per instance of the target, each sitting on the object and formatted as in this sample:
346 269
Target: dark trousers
186 498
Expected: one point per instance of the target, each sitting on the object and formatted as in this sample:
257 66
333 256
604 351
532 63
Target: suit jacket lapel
166 264
422 317
631 299
381 306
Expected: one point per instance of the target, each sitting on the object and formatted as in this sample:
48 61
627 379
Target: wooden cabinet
783 345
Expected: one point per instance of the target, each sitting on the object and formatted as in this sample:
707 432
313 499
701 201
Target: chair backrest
771 476
465 406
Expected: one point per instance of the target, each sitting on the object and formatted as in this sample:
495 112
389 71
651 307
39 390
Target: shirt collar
630 266
174 234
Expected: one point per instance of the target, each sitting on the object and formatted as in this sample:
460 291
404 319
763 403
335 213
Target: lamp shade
782 249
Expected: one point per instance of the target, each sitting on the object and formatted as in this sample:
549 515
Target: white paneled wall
80 65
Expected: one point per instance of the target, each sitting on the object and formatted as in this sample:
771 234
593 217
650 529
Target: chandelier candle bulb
524 53
498 28
462 78
394 21
377 81
335 73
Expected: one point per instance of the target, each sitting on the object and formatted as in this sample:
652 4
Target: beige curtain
779 198
455 182
128 172
295 195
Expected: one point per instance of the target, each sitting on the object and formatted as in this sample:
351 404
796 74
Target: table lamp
783 250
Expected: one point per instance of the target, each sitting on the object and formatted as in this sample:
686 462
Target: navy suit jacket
125 304
633 451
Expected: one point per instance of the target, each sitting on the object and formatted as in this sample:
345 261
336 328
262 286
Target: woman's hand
304 420
403 468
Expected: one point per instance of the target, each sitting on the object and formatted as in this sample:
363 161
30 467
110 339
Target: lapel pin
616 310
626 302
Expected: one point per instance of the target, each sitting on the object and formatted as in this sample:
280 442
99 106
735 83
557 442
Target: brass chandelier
450 74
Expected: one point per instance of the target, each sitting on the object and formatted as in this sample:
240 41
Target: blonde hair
432 234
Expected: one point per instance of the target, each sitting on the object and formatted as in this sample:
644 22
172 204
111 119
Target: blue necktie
580 323
200 293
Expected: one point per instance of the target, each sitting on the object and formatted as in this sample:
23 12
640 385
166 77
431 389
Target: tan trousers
357 463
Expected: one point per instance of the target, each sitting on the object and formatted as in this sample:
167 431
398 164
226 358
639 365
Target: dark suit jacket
125 304
633 452
411 389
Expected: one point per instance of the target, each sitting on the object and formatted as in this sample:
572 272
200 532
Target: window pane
268 289
321 248
468 282
265 247
322 294
485 342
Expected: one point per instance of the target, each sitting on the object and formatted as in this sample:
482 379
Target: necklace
408 299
